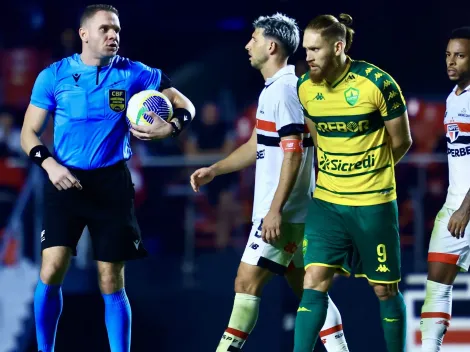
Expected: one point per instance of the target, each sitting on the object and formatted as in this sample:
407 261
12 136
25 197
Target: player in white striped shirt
449 248
284 178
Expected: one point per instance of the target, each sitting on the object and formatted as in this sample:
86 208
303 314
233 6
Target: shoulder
451 95
302 79
286 84
56 68
128 64
284 88
375 75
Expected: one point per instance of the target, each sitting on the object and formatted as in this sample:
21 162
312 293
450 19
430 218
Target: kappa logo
383 269
319 96
350 78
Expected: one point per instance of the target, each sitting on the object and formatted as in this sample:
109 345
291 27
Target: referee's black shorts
105 205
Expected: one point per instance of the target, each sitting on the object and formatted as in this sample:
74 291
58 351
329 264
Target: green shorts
363 239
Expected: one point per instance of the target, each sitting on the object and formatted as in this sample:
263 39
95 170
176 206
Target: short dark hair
460 33
282 28
90 11
334 28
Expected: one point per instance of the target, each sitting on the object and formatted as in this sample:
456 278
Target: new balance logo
383 269
319 96
37 155
76 77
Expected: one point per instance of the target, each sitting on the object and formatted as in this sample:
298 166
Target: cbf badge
117 100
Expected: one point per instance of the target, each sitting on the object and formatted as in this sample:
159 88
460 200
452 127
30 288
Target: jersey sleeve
289 117
301 93
389 98
165 82
43 90
149 77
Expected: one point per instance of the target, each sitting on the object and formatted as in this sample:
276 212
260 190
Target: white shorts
278 257
444 247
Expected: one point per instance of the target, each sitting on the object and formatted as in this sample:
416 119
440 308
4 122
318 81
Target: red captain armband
292 145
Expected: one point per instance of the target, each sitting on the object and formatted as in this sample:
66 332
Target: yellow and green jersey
355 161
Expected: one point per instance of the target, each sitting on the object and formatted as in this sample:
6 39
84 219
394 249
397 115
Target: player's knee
318 278
385 291
251 279
248 285
55 262
110 277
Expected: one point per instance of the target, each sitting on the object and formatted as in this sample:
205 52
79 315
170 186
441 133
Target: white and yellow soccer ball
148 100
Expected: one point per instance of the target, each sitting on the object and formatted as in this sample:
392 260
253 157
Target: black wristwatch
176 130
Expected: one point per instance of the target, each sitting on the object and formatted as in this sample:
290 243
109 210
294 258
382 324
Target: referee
90 184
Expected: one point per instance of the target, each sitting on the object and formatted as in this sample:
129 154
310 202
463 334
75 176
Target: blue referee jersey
89 105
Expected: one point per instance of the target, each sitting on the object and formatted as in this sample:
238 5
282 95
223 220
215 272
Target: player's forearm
466 203
400 150
29 139
240 158
289 171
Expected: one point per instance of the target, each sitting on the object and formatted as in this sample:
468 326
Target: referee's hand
60 176
159 129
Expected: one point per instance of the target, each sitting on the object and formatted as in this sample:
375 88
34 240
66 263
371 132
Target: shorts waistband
120 165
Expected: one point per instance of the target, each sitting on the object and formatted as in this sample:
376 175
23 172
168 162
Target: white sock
435 315
332 334
242 321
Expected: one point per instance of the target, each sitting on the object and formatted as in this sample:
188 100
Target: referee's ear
83 33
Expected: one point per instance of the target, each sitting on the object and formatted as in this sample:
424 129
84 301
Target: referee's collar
287 70
78 59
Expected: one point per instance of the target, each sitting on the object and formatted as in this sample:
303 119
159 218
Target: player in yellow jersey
357 114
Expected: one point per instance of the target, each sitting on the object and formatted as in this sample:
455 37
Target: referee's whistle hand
159 129
60 176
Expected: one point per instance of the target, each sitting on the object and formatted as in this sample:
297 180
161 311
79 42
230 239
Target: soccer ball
148 100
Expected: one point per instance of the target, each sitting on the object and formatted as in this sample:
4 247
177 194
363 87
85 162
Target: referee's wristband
38 154
183 116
